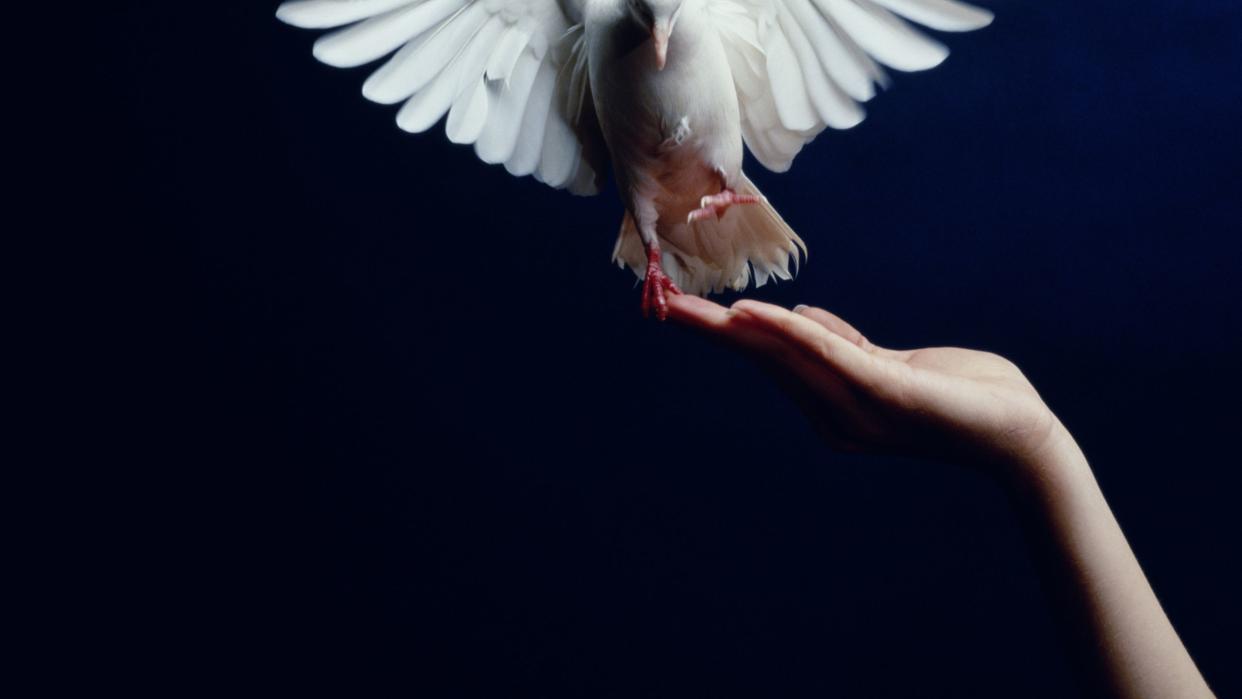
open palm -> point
(943, 402)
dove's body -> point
(675, 137)
(674, 134)
(673, 88)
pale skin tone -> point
(947, 403)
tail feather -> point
(751, 242)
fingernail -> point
(800, 308)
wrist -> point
(1052, 466)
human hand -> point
(960, 404)
(939, 402)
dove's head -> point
(658, 17)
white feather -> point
(884, 36)
(406, 72)
(944, 15)
(508, 103)
(829, 48)
(441, 47)
(325, 14)
(844, 68)
(376, 37)
(505, 57)
(477, 60)
(530, 145)
(468, 115)
(560, 151)
(834, 106)
(793, 105)
(469, 112)
(392, 82)
(424, 109)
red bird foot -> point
(655, 284)
(715, 205)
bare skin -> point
(948, 403)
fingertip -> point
(758, 309)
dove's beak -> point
(659, 38)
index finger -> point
(717, 320)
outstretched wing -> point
(802, 65)
(509, 74)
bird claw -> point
(715, 205)
(655, 284)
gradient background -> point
(403, 427)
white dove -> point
(670, 89)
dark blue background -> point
(405, 426)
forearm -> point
(1136, 650)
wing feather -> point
(427, 106)
(883, 35)
(835, 108)
(378, 36)
(944, 15)
(525, 157)
(399, 78)
(500, 66)
(325, 14)
(844, 67)
(801, 65)
(432, 55)
(468, 115)
(500, 136)
(793, 105)
(560, 151)
(488, 64)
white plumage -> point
(669, 89)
